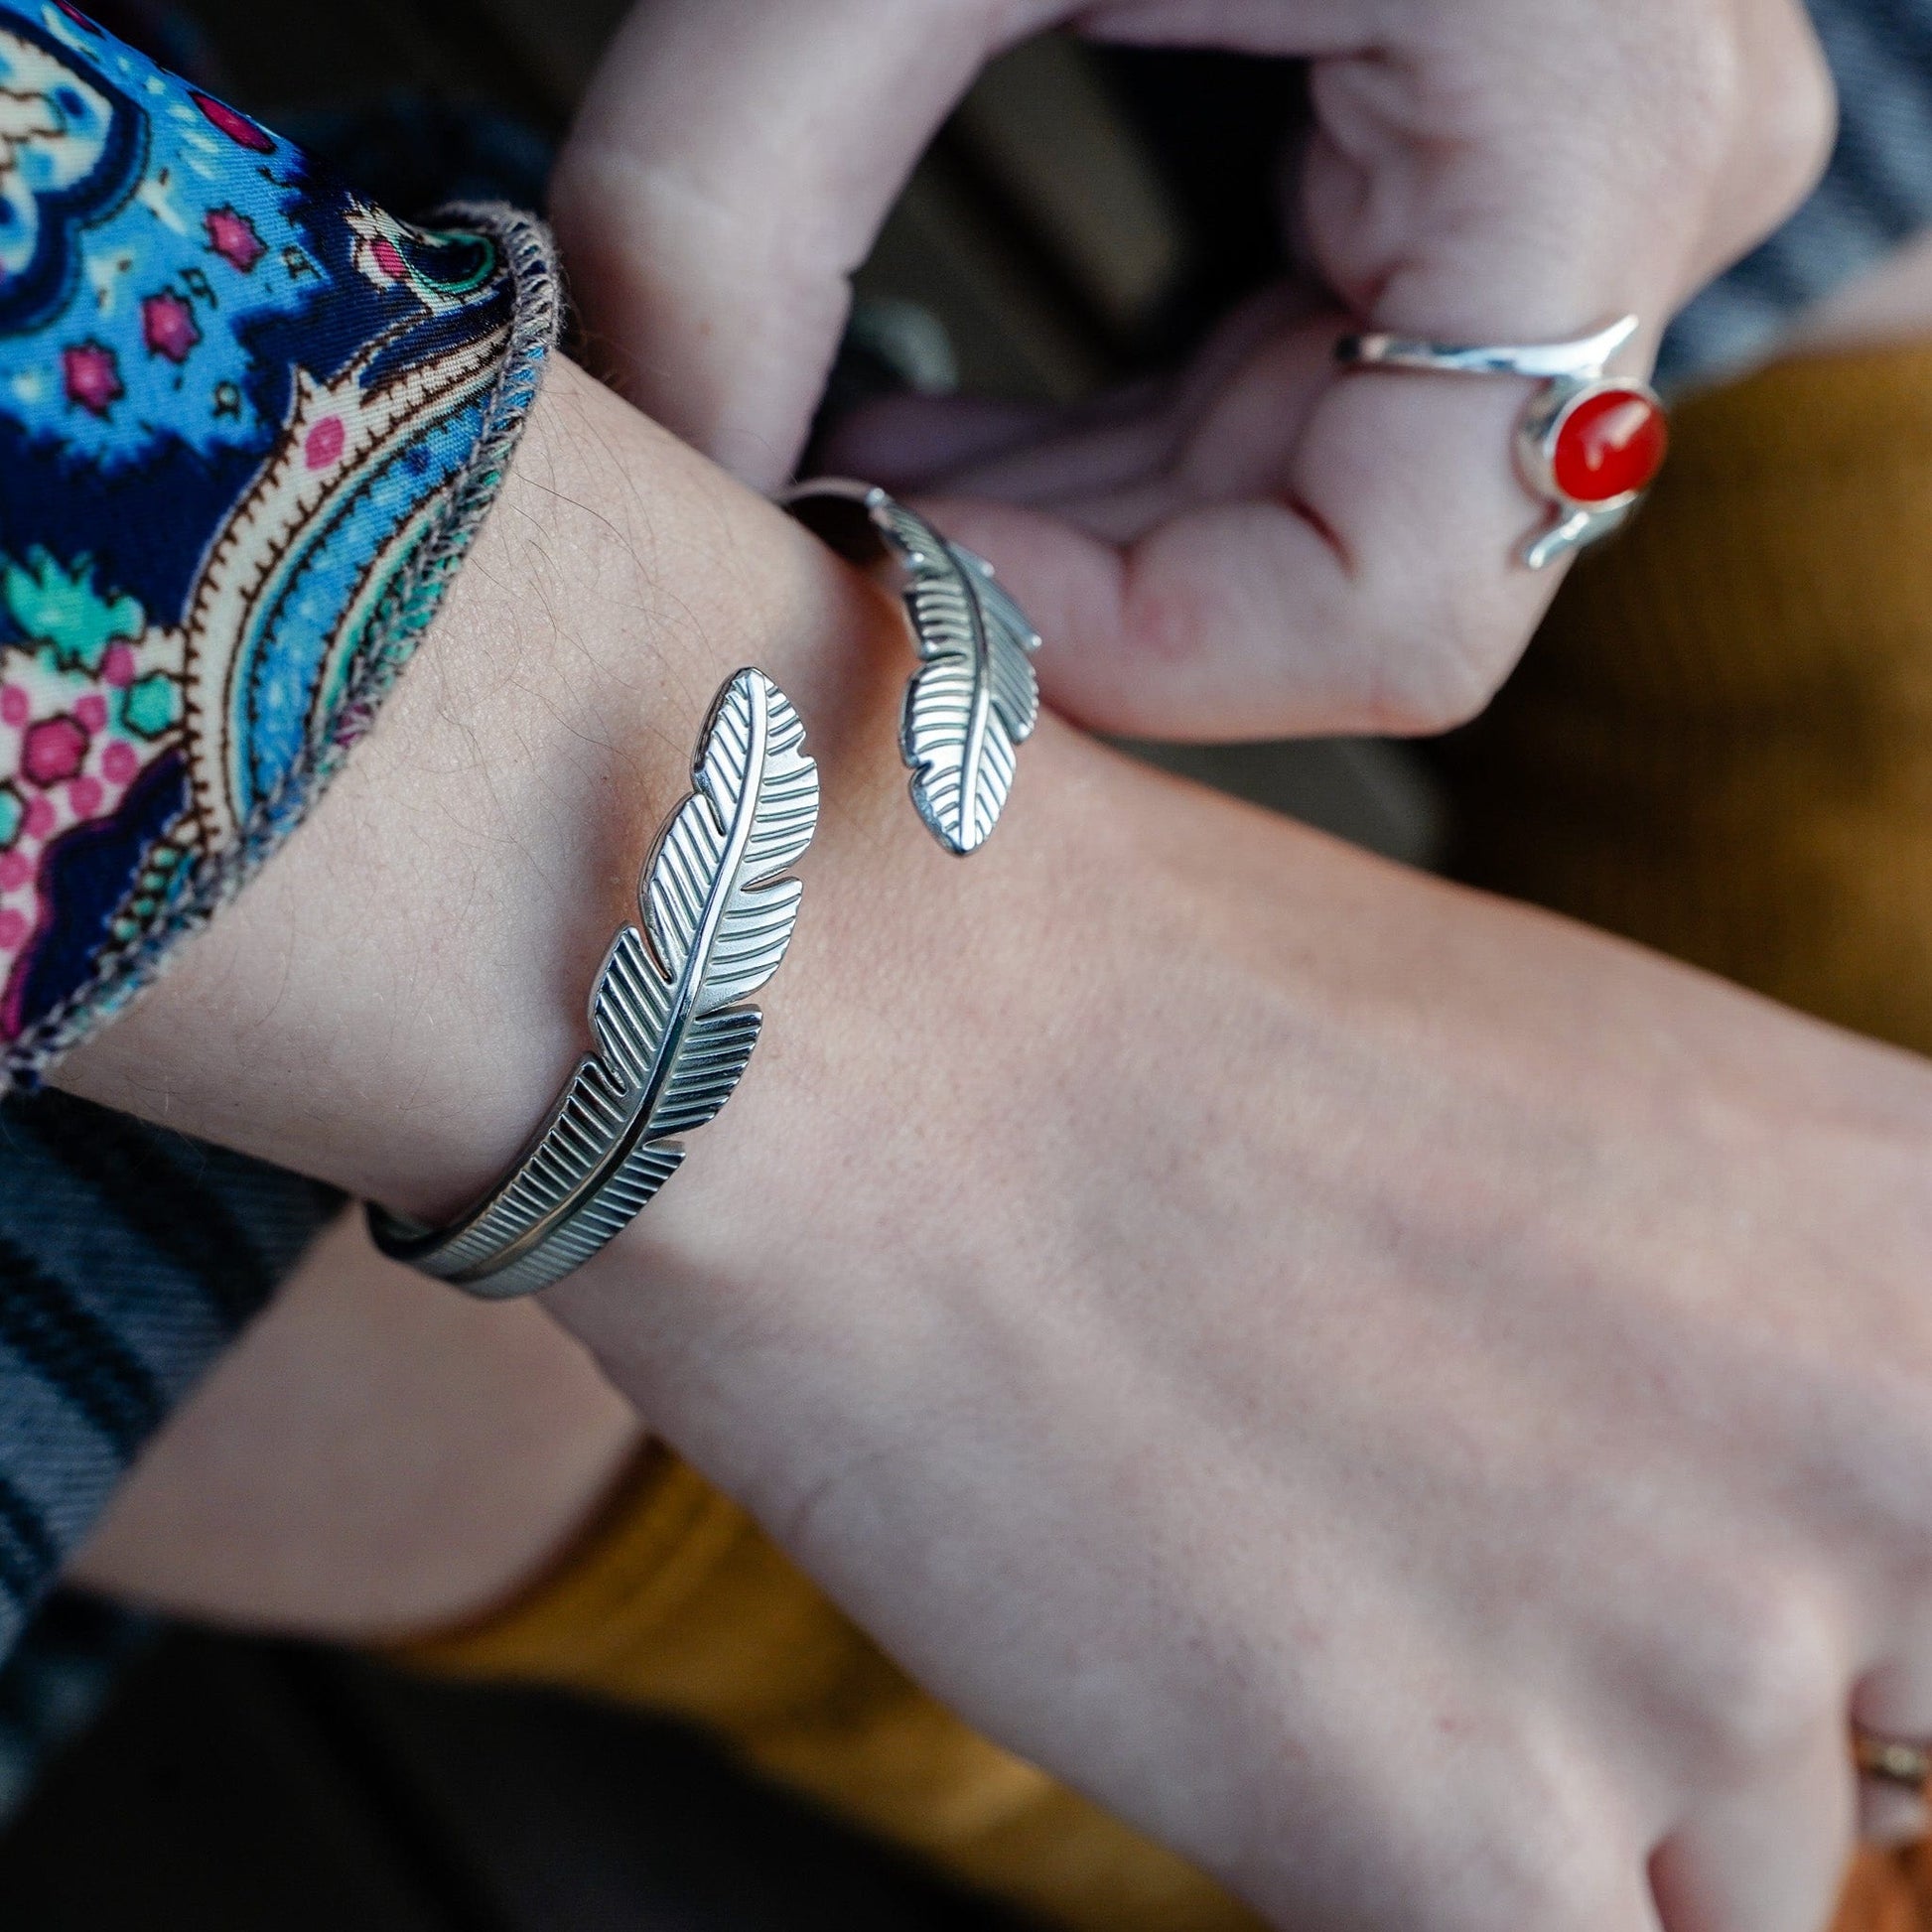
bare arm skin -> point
(1421, 1407)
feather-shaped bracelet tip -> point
(974, 700)
(672, 1040)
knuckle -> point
(1541, 1866)
(1763, 107)
(1420, 689)
(1704, 99)
(1794, 117)
(1743, 104)
(1765, 1669)
(1768, 181)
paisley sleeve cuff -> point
(249, 424)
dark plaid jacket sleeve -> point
(129, 1257)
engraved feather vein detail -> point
(672, 1040)
(976, 699)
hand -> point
(1421, 1407)
(1260, 546)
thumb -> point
(729, 170)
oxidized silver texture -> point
(671, 1038)
(1568, 373)
(975, 700)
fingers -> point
(1226, 622)
(729, 169)
(902, 441)
(1766, 1855)
(1888, 1814)
(1894, 1703)
(731, 166)
(1123, 441)
(1472, 178)
(1297, 555)
(1498, 173)
(1302, 551)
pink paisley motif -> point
(53, 749)
(324, 444)
(233, 123)
(92, 374)
(168, 327)
(233, 236)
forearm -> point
(393, 1003)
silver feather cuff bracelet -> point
(974, 699)
(672, 1037)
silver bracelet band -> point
(672, 1039)
(974, 699)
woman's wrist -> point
(393, 1004)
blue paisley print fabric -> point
(248, 422)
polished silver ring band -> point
(1587, 355)
(1589, 443)
(674, 1038)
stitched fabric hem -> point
(126, 970)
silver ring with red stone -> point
(1589, 443)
